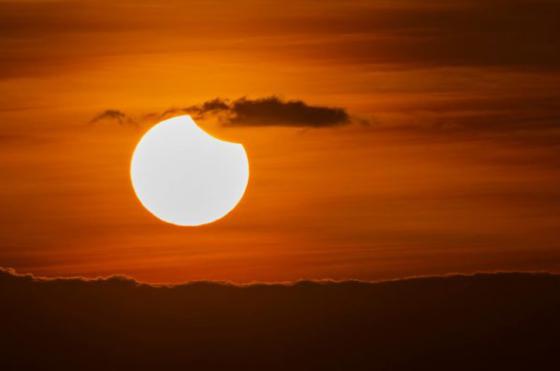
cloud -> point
(267, 111)
(272, 111)
(440, 323)
(213, 106)
(113, 115)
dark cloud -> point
(271, 111)
(501, 321)
(113, 115)
(214, 106)
(274, 111)
(268, 111)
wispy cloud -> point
(115, 116)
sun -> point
(184, 176)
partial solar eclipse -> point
(185, 176)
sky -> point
(386, 139)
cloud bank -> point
(485, 321)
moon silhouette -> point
(185, 176)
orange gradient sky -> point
(450, 162)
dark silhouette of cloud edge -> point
(497, 321)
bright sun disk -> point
(185, 176)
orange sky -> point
(456, 170)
